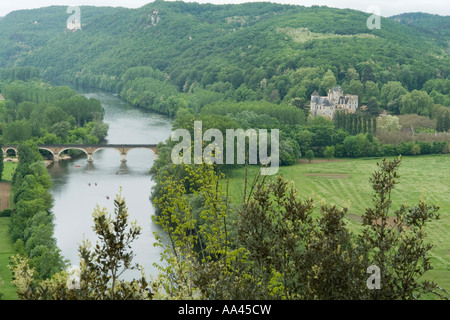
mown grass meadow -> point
(345, 182)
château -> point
(335, 101)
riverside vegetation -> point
(270, 247)
(244, 62)
(34, 112)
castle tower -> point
(314, 101)
(334, 94)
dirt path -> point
(319, 160)
(328, 175)
(5, 188)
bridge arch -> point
(52, 152)
(103, 148)
(6, 149)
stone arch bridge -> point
(88, 149)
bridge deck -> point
(89, 149)
(89, 146)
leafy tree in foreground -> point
(295, 256)
(281, 251)
(103, 267)
(397, 243)
(201, 261)
(273, 247)
(98, 277)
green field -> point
(6, 250)
(6, 245)
(345, 182)
(8, 170)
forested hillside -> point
(431, 25)
(189, 60)
(240, 66)
(243, 52)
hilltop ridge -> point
(252, 47)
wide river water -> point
(75, 199)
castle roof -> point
(315, 93)
(344, 99)
(325, 102)
(336, 89)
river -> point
(75, 199)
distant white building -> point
(335, 101)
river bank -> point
(80, 186)
(62, 157)
(6, 251)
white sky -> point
(387, 7)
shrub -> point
(425, 147)
(438, 147)
(404, 148)
(415, 150)
(6, 213)
(389, 150)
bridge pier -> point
(123, 157)
(90, 158)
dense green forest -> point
(175, 57)
(436, 26)
(32, 220)
(251, 51)
(35, 112)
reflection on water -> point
(79, 186)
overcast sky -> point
(387, 7)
